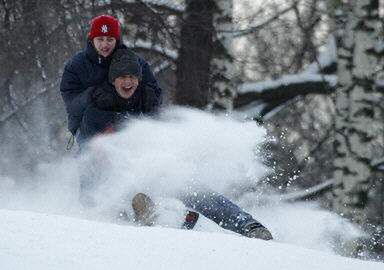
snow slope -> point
(40, 241)
(183, 149)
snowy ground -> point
(40, 241)
(183, 149)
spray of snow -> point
(307, 225)
(183, 150)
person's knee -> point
(94, 114)
(95, 121)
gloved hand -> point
(101, 98)
(106, 98)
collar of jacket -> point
(94, 57)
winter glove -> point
(106, 98)
(102, 99)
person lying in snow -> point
(120, 97)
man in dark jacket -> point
(89, 68)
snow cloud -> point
(183, 151)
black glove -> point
(106, 98)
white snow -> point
(250, 110)
(171, 4)
(184, 148)
(170, 53)
(176, 5)
(40, 241)
(162, 66)
(300, 194)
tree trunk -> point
(359, 117)
(193, 87)
(223, 88)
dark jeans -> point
(219, 209)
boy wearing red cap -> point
(104, 33)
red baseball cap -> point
(104, 25)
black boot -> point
(256, 230)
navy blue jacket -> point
(87, 69)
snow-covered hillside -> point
(183, 149)
(39, 241)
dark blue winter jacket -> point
(87, 69)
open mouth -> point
(127, 89)
(105, 51)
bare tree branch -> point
(243, 32)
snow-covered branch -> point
(286, 88)
(286, 81)
(148, 45)
(168, 4)
(307, 194)
(155, 5)
(164, 65)
(316, 78)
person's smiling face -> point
(126, 85)
(104, 45)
